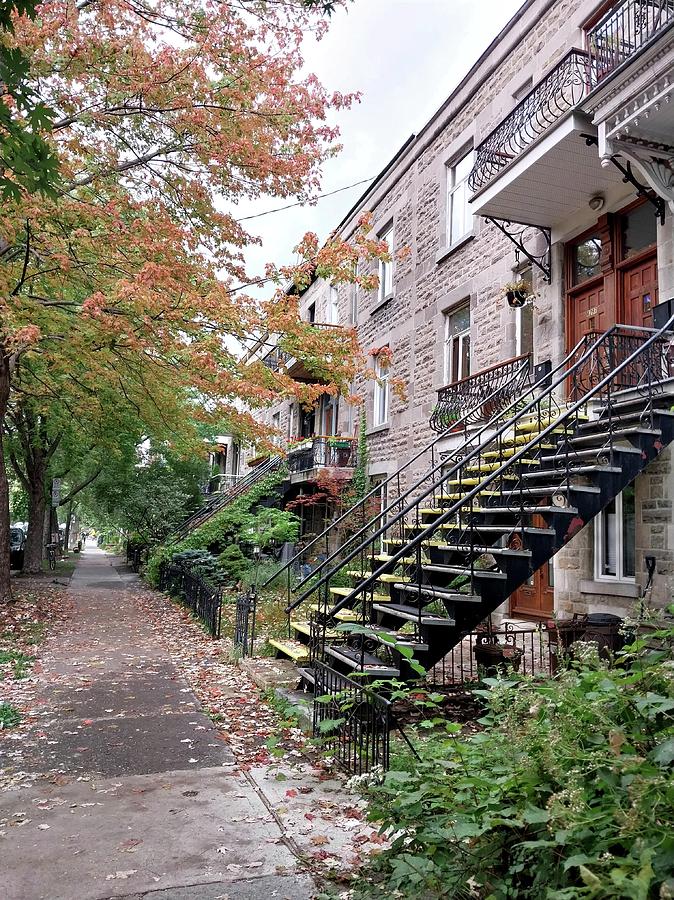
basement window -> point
(615, 539)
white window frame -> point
(333, 306)
(458, 194)
(354, 304)
(386, 268)
(519, 311)
(599, 560)
(276, 424)
(380, 412)
(461, 339)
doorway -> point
(536, 598)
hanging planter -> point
(517, 293)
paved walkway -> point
(148, 802)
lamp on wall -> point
(596, 202)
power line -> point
(304, 202)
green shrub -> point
(233, 564)
(567, 793)
(9, 716)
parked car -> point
(17, 545)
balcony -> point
(282, 361)
(477, 397)
(536, 167)
(322, 451)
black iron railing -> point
(136, 555)
(202, 598)
(619, 347)
(479, 396)
(625, 30)
(323, 452)
(220, 500)
(553, 97)
(244, 626)
(352, 720)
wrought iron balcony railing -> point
(561, 89)
(481, 395)
(323, 451)
(624, 31)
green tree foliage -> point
(568, 792)
(26, 160)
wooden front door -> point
(536, 598)
(639, 291)
(588, 311)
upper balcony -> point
(319, 452)
(537, 166)
(279, 360)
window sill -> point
(613, 588)
(380, 304)
(377, 428)
(445, 252)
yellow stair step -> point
(293, 649)
(305, 628)
(488, 468)
(507, 452)
(386, 557)
(342, 615)
(344, 592)
(381, 577)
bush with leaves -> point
(567, 793)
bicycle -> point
(51, 555)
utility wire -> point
(304, 202)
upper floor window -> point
(381, 392)
(386, 268)
(311, 312)
(354, 304)
(587, 259)
(333, 311)
(459, 214)
(457, 345)
(276, 425)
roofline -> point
(439, 113)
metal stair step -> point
(406, 640)
(411, 614)
(307, 674)
(625, 416)
(495, 551)
(509, 451)
(575, 470)
(305, 628)
(535, 510)
(465, 570)
(437, 593)
(472, 481)
(342, 615)
(366, 662)
(386, 557)
(545, 490)
(345, 591)
(488, 468)
(604, 436)
(590, 453)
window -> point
(459, 215)
(386, 268)
(614, 539)
(311, 312)
(354, 304)
(333, 311)
(381, 393)
(276, 424)
(457, 345)
(639, 230)
(587, 259)
(524, 318)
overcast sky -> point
(405, 56)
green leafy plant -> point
(9, 716)
(567, 793)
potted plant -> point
(517, 293)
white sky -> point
(405, 56)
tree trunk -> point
(37, 505)
(69, 519)
(5, 584)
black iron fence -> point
(202, 598)
(481, 395)
(625, 29)
(244, 625)
(353, 721)
(526, 649)
(136, 555)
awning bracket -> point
(630, 178)
(514, 231)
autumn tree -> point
(132, 279)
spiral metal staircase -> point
(448, 550)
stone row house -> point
(551, 164)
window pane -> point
(463, 167)
(458, 213)
(629, 532)
(459, 321)
(586, 256)
(639, 230)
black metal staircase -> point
(219, 501)
(449, 550)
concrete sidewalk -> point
(140, 796)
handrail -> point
(483, 372)
(416, 541)
(552, 386)
(361, 503)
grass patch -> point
(9, 716)
(18, 660)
